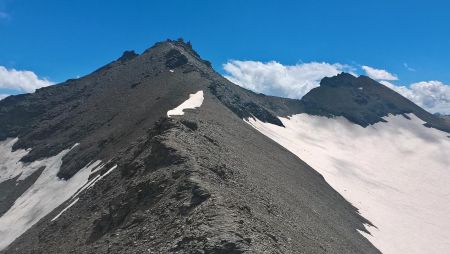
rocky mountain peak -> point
(127, 55)
(342, 79)
(345, 79)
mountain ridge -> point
(211, 181)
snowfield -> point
(10, 167)
(195, 100)
(45, 195)
(396, 172)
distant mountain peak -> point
(362, 100)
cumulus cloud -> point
(273, 78)
(433, 96)
(379, 74)
(21, 81)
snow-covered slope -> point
(46, 194)
(396, 172)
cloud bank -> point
(433, 96)
(378, 74)
(294, 81)
(21, 81)
(273, 78)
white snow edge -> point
(195, 100)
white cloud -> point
(433, 96)
(379, 74)
(273, 78)
(3, 96)
(21, 81)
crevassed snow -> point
(195, 100)
(397, 173)
(47, 193)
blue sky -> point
(58, 40)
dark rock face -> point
(241, 104)
(204, 182)
(446, 118)
(175, 59)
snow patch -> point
(195, 100)
(396, 173)
(47, 193)
(11, 167)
